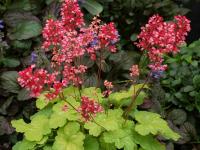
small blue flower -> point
(1, 24)
(95, 42)
(33, 57)
(157, 74)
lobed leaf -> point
(152, 123)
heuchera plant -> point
(72, 117)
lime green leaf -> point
(47, 111)
(71, 91)
(35, 130)
(93, 128)
(69, 138)
(59, 117)
(91, 143)
(148, 142)
(110, 121)
(24, 145)
(122, 138)
(20, 125)
(43, 140)
(135, 88)
(47, 147)
(42, 101)
(149, 122)
(93, 7)
(93, 93)
(124, 97)
(118, 96)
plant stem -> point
(96, 122)
(99, 70)
(125, 81)
(61, 95)
(129, 108)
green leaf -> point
(42, 101)
(10, 62)
(133, 37)
(23, 95)
(69, 138)
(21, 4)
(188, 88)
(71, 91)
(47, 147)
(110, 121)
(93, 128)
(26, 30)
(93, 7)
(5, 127)
(196, 80)
(177, 116)
(26, 44)
(35, 130)
(14, 18)
(149, 122)
(124, 97)
(47, 111)
(48, 1)
(91, 143)
(5, 105)
(9, 81)
(93, 93)
(122, 138)
(59, 117)
(24, 145)
(148, 142)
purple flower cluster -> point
(1, 24)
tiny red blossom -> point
(108, 84)
(89, 108)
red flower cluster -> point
(52, 33)
(35, 80)
(72, 17)
(57, 87)
(72, 74)
(89, 108)
(134, 71)
(109, 36)
(68, 39)
(159, 37)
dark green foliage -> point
(182, 79)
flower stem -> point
(129, 108)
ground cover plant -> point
(74, 116)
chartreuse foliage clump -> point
(54, 128)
